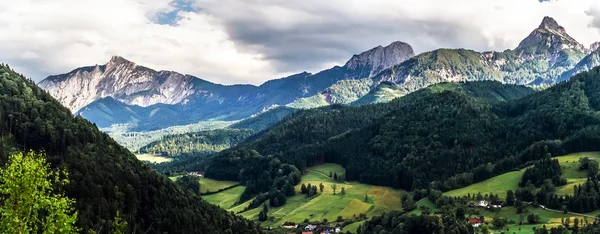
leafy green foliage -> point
(265, 176)
(106, 179)
(190, 183)
(543, 170)
(29, 202)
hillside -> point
(264, 120)
(105, 177)
(197, 144)
(449, 140)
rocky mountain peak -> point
(118, 60)
(381, 58)
(550, 38)
(594, 46)
(549, 23)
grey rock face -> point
(594, 46)
(381, 58)
(121, 79)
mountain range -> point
(121, 91)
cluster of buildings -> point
(311, 228)
(486, 204)
(196, 173)
(476, 222)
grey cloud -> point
(325, 36)
(594, 12)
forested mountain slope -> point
(196, 144)
(438, 138)
(105, 177)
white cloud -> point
(250, 41)
(41, 38)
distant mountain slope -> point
(264, 120)
(541, 58)
(105, 177)
(193, 99)
(547, 55)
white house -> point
(483, 203)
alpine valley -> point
(449, 141)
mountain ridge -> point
(548, 55)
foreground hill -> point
(443, 139)
(105, 177)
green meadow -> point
(210, 185)
(325, 205)
(500, 184)
(496, 185)
(380, 199)
(153, 158)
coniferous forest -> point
(449, 140)
(106, 180)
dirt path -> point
(325, 175)
(560, 211)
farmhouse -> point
(497, 204)
(475, 222)
(310, 228)
(483, 203)
(290, 225)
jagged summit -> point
(550, 24)
(550, 37)
(594, 46)
(381, 58)
(116, 59)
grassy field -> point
(499, 184)
(496, 185)
(323, 206)
(208, 185)
(569, 164)
(227, 198)
(426, 203)
(329, 167)
(152, 158)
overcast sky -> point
(251, 41)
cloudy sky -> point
(251, 41)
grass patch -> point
(227, 198)
(153, 158)
(207, 185)
(353, 227)
(496, 185)
(330, 167)
(426, 203)
(569, 165)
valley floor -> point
(325, 205)
(380, 199)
